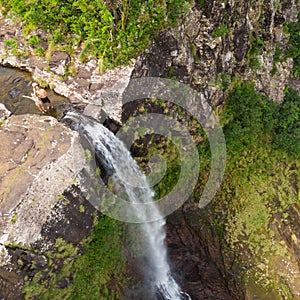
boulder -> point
(58, 62)
(37, 165)
(4, 112)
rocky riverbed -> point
(16, 84)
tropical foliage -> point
(253, 118)
(260, 187)
(113, 31)
(294, 44)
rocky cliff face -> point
(197, 256)
(37, 168)
(36, 157)
(216, 41)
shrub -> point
(34, 40)
(261, 182)
(39, 51)
(287, 133)
(251, 116)
(117, 31)
(220, 31)
(99, 272)
(293, 50)
(10, 44)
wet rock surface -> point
(10, 285)
(15, 84)
(4, 112)
(76, 218)
(196, 256)
(82, 83)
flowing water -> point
(116, 157)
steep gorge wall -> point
(217, 43)
(214, 42)
(225, 38)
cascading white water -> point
(115, 156)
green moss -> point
(98, 273)
(34, 41)
(39, 51)
(100, 270)
(14, 218)
(10, 44)
(38, 288)
(88, 155)
(64, 200)
(64, 249)
(254, 63)
(170, 154)
(260, 185)
(1, 123)
(256, 48)
(81, 208)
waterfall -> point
(125, 171)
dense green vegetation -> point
(167, 151)
(99, 273)
(101, 270)
(261, 184)
(113, 31)
(258, 44)
(220, 31)
(294, 45)
(251, 119)
(256, 48)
